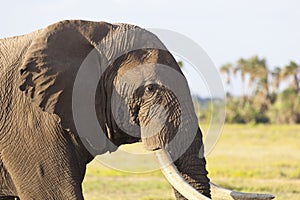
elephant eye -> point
(150, 88)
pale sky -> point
(225, 29)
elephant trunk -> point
(192, 167)
(171, 124)
(188, 152)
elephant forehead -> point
(140, 74)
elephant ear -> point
(49, 69)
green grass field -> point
(247, 158)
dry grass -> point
(246, 158)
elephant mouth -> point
(178, 182)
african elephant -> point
(42, 153)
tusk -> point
(225, 194)
(179, 183)
(175, 179)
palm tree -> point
(263, 74)
(241, 67)
(258, 73)
(276, 79)
(226, 69)
(253, 69)
(292, 70)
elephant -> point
(43, 150)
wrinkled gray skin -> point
(41, 153)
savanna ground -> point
(264, 158)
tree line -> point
(268, 96)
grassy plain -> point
(264, 158)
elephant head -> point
(131, 84)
